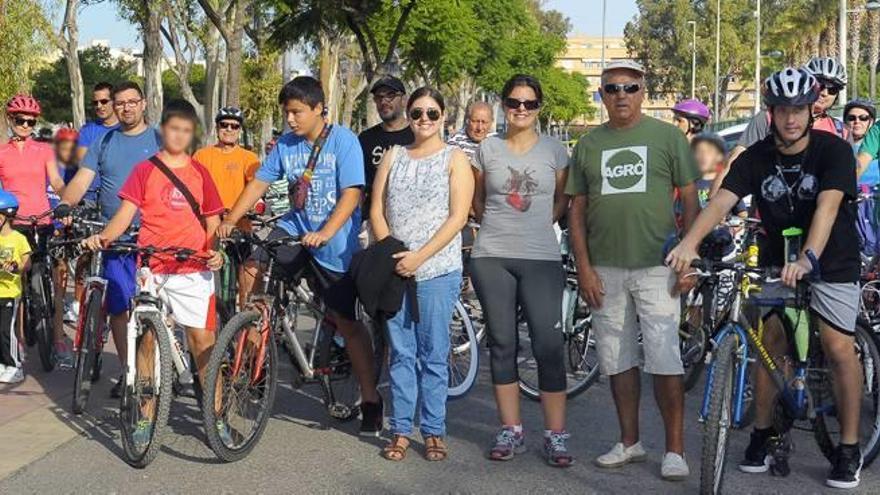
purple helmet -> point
(692, 109)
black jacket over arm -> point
(379, 288)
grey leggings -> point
(503, 284)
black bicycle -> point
(38, 295)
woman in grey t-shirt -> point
(516, 262)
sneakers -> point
(63, 355)
(620, 455)
(757, 457)
(507, 444)
(372, 418)
(556, 451)
(11, 374)
(674, 467)
(845, 467)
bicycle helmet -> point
(711, 138)
(22, 103)
(230, 113)
(66, 134)
(827, 69)
(695, 112)
(8, 204)
(864, 103)
(791, 87)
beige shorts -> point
(638, 301)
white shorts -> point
(638, 300)
(190, 298)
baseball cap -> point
(624, 64)
(389, 82)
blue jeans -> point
(420, 356)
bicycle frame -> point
(94, 282)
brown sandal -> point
(435, 449)
(396, 448)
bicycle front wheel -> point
(87, 355)
(720, 416)
(239, 387)
(464, 353)
(144, 407)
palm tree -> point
(873, 48)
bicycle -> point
(806, 396)
(38, 295)
(244, 363)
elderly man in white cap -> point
(622, 177)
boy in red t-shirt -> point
(167, 220)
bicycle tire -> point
(824, 428)
(228, 284)
(462, 342)
(719, 417)
(225, 348)
(41, 315)
(148, 322)
(694, 343)
(86, 357)
(337, 379)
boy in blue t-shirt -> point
(328, 223)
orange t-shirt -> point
(231, 170)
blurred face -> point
(22, 125)
(177, 135)
(425, 118)
(791, 122)
(858, 121)
(708, 157)
(479, 123)
(129, 107)
(102, 103)
(389, 103)
(302, 118)
(64, 151)
(228, 131)
(826, 98)
(622, 94)
(521, 107)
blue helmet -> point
(8, 204)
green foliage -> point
(171, 84)
(23, 29)
(567, 96)
(52, 83)
(261, 80)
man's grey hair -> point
(478, 104)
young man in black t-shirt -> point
(801, 178)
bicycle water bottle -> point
(185, 377)
(792, 237)
(752, 257)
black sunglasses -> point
(229, 125)
(863, 118)
(23, 122)
(629, 88)
(101, 103)
(513, 104)
(832, 89)
(432, 113)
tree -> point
(23, 34)
(855, 45)
(67, 40)
(50, 83)
(566, 97)
(232, 28)
(873, 49)
(180, 31)
(148, 16)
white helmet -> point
(791, 87)
(828, 69)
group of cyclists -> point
(638, 195)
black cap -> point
(389, 82)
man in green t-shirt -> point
(622, 176)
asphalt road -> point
(302, 451)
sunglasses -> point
(383, 97)
(432, 113)
(232, 126)
(513, 104)
(100, 103)
(23, 122)
(832, 89)
(863, 118)
(629, 88)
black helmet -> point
(791, 87)
(230, 113)
(863, 103)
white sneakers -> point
(11, 374)
(674, 467)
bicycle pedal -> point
(779, 467)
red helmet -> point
(66, 134)
(23, 103)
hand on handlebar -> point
(224, 231)
(215, 262)
(680, 258)
(315, 239)
(95, 242)
(62, 214)
(792, 273)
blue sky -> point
(100, 21)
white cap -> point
(624, 64)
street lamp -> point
(843, 34)
(601, 104)
(694, 60)
(717, 108)
(758, 56)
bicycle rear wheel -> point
(244, 369)
(40, 314)
(144, 407)
(86, 357)
(464, 353)
(719, 419)
(826, 428)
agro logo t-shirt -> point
(786, 188)
(628, 176)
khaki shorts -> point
(638, 301)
